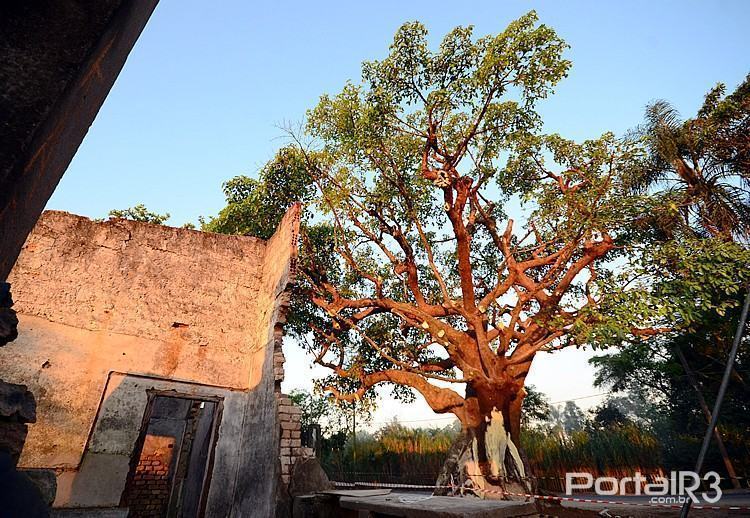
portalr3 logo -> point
(677, 488)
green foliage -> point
(607, 415)
(626, 448)
(255, 206)
(334, 417)
(315, 409)
(675, 285)
(698, 277)
(398, 454)
(394, 453)
(652, 373)
(391, 254)
(469, 105)
(139, 213)
(570, 418)
(697, 176)
(701, 165)
(536, 408)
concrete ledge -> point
(418, 505)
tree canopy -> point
(700, 166)
(414, 274)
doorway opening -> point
(171, 465)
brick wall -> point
(291, 448)
(149, 493)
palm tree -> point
(701, 166)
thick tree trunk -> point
(486, 459)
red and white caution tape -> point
(543, 497)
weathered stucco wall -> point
(189, 290)
(181, 309)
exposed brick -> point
(290, 425)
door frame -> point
(152, 394)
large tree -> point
(413, 274)
(432, 286)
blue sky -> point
(208, 84)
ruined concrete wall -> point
(177, 307)
(128, 297)
(191, 290)
(258, 456)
